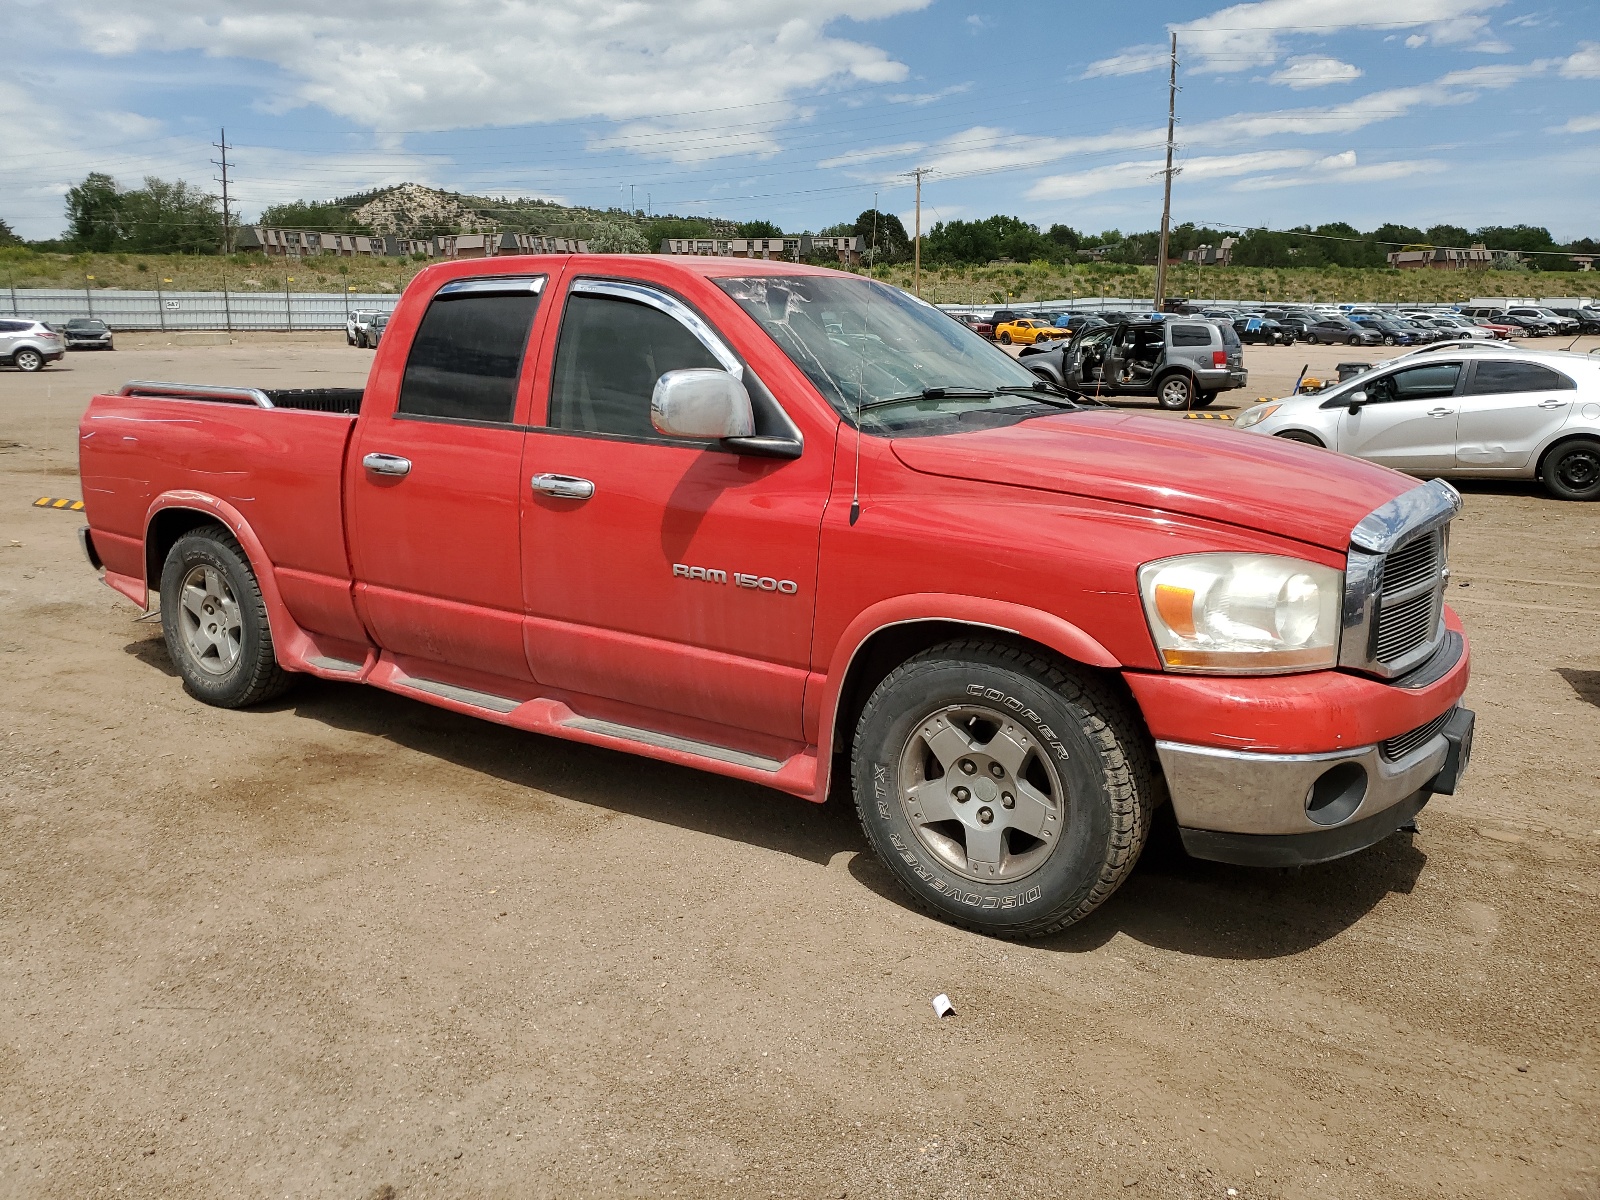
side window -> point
(12, 326)
(1416, 383)
(1493, 378)
(1191, 335)
(609, 357)
(467, 354)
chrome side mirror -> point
(701, 403)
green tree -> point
(326, 216)
(657, 231)
(170, 218)
(616, 237)
(880, 229)
(757, 229)
(8, 236)
(94, 213)
(1448, 235)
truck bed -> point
(272, 460)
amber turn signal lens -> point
(1176, 607)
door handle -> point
(1552, 403)
(387, 464)
(567, 487)
(1441, 412)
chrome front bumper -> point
(1288, 808)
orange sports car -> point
(1025, 331)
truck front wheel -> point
(1006, 795)
(215, 622)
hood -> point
(1244, 479)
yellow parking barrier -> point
(53, 502)
(1208, 416)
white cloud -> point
(855, 158)
(1315, 70)
(450, 64)
(48, 149)
(1124, 175)
(920, 98)
(1247, 36)
(1589, 124)
(1342, 168)
(1135, 60)
(1584, 64)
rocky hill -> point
(412, 210)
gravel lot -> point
(352, 946)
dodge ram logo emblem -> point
(759, 583)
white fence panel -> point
(193, 310)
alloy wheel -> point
(212, 629)
(981, 793)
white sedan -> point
(1455, 411)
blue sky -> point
(1469, 112)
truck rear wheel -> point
(215, 622)
(1006, 795)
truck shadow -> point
(1212, 910)
(1170, 901)
(1586, 684)
(608, 779)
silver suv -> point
(1182, 361)
(29, 345)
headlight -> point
(1235, 614)
(1253, 416)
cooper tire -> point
(1388, 339)
(1005, 339)
(215, 622)
(1296, 435)
(1075, 756)
(1175, 393)
(1571, 471)
(1204, 399)
(1352, 340)
(28, 360)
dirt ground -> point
(349, 945)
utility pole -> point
(1166, 200)
(916, 252)
(227, 210)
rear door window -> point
(1497, 378)
(467, 355)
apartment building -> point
(790, 246)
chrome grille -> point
(1398, 747)
(1405, 626)
(1412, 563)
(1395, 578)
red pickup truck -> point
(800, 528)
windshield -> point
(82, 323)
(863, 344)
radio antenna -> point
(872, 266)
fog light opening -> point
(1337, 793)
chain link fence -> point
(194, 310)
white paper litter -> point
(942, 1006)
